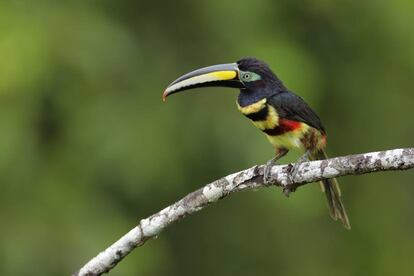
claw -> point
(267, 171)
(268, 167)
(290, 186)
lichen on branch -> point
(249, 179)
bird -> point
(287, 121)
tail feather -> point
(333, 195)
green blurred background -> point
(88, 148)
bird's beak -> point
(223, 75)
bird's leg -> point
(290, 187)
(305, 157)
(267, 170)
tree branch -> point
(252, 178)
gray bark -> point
(252, 178)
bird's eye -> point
(246, 76)
(249, 76)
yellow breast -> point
(290, 140)
(271, 119)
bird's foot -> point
(293, 171)
(268, 171)
(304, 158)
(267, 179)
(290, 186)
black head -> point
(256, 74)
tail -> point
(333, 195)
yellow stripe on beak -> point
(224, 75)
(221, 75)
(209, 77)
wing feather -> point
(292, 107)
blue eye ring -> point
(246, 76)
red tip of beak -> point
(164, 96)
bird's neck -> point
(248, 96)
